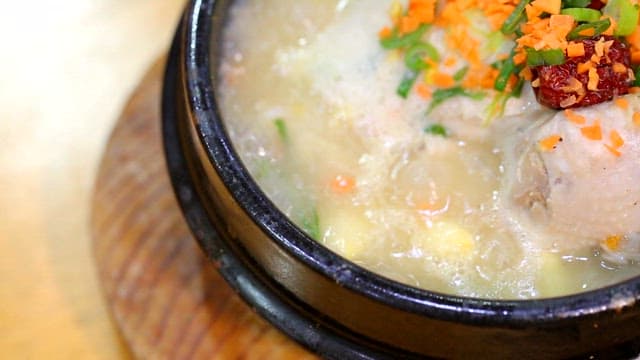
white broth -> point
(309, 97)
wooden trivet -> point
(166, 299)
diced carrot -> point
(423, 15)
(343, 184)
(408, 24)
(526, 73)
(519, 58)
(532, 12)
(384, 33)
(612, 242)
(550, 142)
(593, 132)
(442, 80)
(587, 32)
(636, 118)
(584, 67)
(450, 61)
(549, 6)
(575, 49)
(613, 150)
(622, 103)
(616, 139)
(635, 56)
(619, 68)
(634, 90)
(423, 90)
(561, 24)
(574, 118)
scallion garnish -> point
(582, 14)
(636, 74)
(436, 129)
(441, 95)
(575, 3)
(395, 41)
(416, 53)
(507, 68)
(625, 15)
(598, 27)
(460, 74)
(311, 224)
(544, 57)
(406, 84)
(515, 18)
(281, 127)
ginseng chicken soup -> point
(484, 148)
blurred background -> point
(67, 69)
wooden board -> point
(164, 296)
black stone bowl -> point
(330, 305)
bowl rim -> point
(200, 18)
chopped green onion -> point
(507, 68)
(406, 84)
(460, 74)
(441, 95)
(282, 128)
(395, 41)
(311, 224)
(513, 21)
(598, 27)
(517, 88)
(496, 108)
(544, 57)
(625, 14)
(636, 74)
(575, 3)
(582, 14)
(436, 129)
(414, 59)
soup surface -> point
(448, 185)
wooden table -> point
(68, 68)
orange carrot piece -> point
(613, 242)
(443, 80)
(584, 67)
(593, 132)
(549, 6)
(619, 68)
(408, 24)
(613, 150)
(550, 142)
(587, 32)
(343, 184)
(574, 118)
(616, 140)
(634, 90)
(423, 91)
(622, 103)
(575, 49)
(384, 33)
(526, 73)
(450, 61)
(519, 58)
(636, 118)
